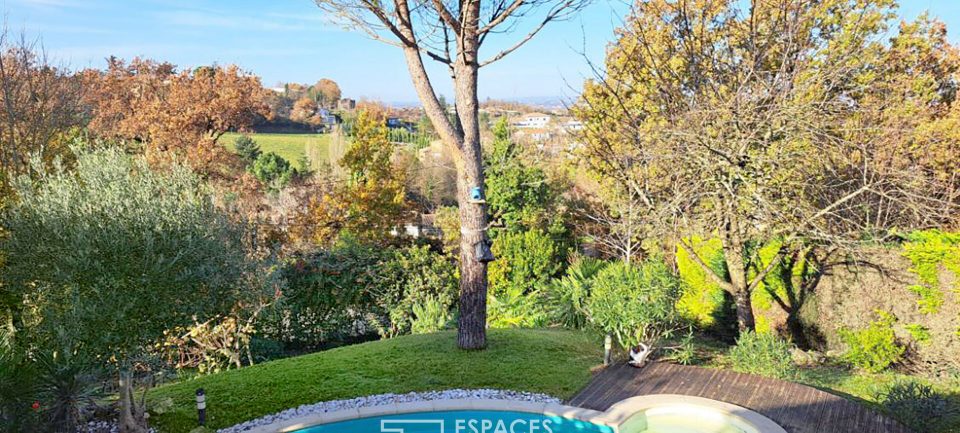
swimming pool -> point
(464, 421)
(645, 414)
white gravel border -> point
(389, 399)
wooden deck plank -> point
(798, 408)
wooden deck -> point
(797, 408)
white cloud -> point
(271, 22)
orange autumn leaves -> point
(151, 104)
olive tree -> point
(107, 256)
(452, 33)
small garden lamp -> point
(201, 407)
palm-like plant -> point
(66, 386)
(568, 295)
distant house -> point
(423, 227)
(571, 125)
(533, 120)
(533, 134)
(398, 123)
(328, 120)
(347, 104)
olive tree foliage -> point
(105, 257)
(452, 33)
(741, 120)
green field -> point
(289, 146)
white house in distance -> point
(572, 125)
(533, 120)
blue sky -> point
(292, 41)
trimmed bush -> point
(635, 303)
(762, 354)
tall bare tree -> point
(452, 32)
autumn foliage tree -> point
(39, 106)
(303, 109)
(326, 93)
(371, 201)
(758, 121)
(150, 103)
(910, 108)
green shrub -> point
(519, 193)
(19, 387)
(247, 149)
(763, 354)
(917, 405)
(635, 303)
(430, 315)
(264, 350)
(919, 333)
(355, 289)
(420, 290)
(330, 295)
(701, 300)
(68, 384)
(566, 297)
(526, 263)
(512, 308)
(685, 353)
(927, 251)
(273, 171)
(706, 304)
(112, 254)
(875, 347)
(115, 252)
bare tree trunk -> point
(472, 332)
(733, 254)
(464, 145)
(745, 319)
(131, 418)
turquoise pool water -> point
(468, 421)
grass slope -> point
(289, 146)
(554, 362)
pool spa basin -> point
(661, 413)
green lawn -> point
(554, 362)
(289, 146)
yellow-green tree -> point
(737, 119)
(371, 201)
